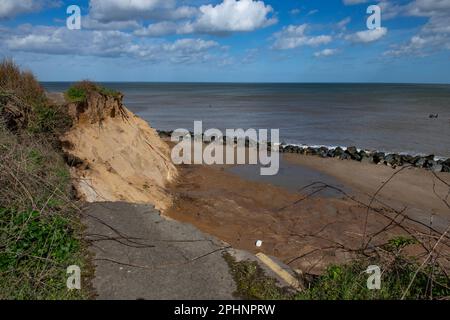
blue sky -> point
(230, 40)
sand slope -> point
(123, 159)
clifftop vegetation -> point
(79, 92)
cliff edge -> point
(115, 155)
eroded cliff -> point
(115, 155)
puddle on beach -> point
(292, 177)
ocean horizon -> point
(390, 117)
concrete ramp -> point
(138, 254)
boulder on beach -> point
(378, 157)
(323, 152)
(446, 165)
(393, 160)
(435, 166)
(353, 153)
(406, 158)
(367, 159)
(311, 151)
(371, 156)
(420, 162)
(338, 152)
(363, 154)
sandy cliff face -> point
(115, 155)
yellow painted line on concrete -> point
(283, 274)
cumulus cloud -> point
(428, 8)
(325, 53)
(233, 15)
(108, 43)
(159, 29)
(226, 17)
(294, 36)
(367, 36)
(119, 10)
(435, 33)
(87, 22)
(12, 8)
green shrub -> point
(349, 282)
(38, 249)
(345, 282)
(75, 94)
(252, 282)
(79, 92)
(49, 119)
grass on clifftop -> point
(79, 92)
(40, 232)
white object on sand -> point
(259, 243)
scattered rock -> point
(311, 151)
(436, 167)
(323, 152)
(363, 154)
(345, 156)
(367, 160)
(393, 160)
(353, 152)
(446, 166)
(407, 158)
(378, 157)
(338, 152)
(420, 163)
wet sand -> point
(291, 176)
(418, 190)
(308, 229)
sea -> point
(385, 117)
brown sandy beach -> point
(307, 229)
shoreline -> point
(428, 162)
(240, 211)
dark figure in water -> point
(434, 116)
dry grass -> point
(22, 83)
(40, 232)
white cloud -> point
(12, 8)
(294, 36)
(325, 53)
(435, 33)
(233, 15)
(311, 12)
(367, 36)
(428, 8)
(119, 10)
(113, 44)
(129, 14)
(158, 29)
(226, 17)
(88, 23)
(343, 23)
